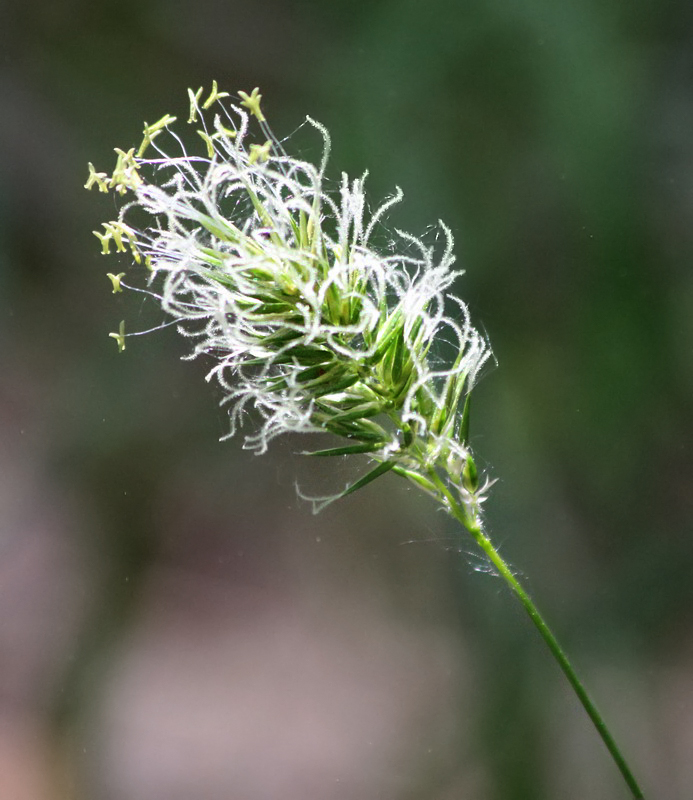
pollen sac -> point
(115, 281)
(125, 175)
(98, 178)
(252, 103)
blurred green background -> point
(175, 623)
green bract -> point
(275, 279)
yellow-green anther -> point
(125, 173)
(116, 230)
(259, 152)
(214, 96)
(120, 336)
(118, 239)
(115, 280)
(152, 131)
(105, 239)
(252, 103)
(164, 122)
(222, 131)
(194, 103)
(208, 140)
(146, 141)
(126, 229)
(98, 178)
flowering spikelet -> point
(275, 279)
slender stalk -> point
(547, 635)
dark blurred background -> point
(174, 622)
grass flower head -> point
(276, 279)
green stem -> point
(546, 634)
